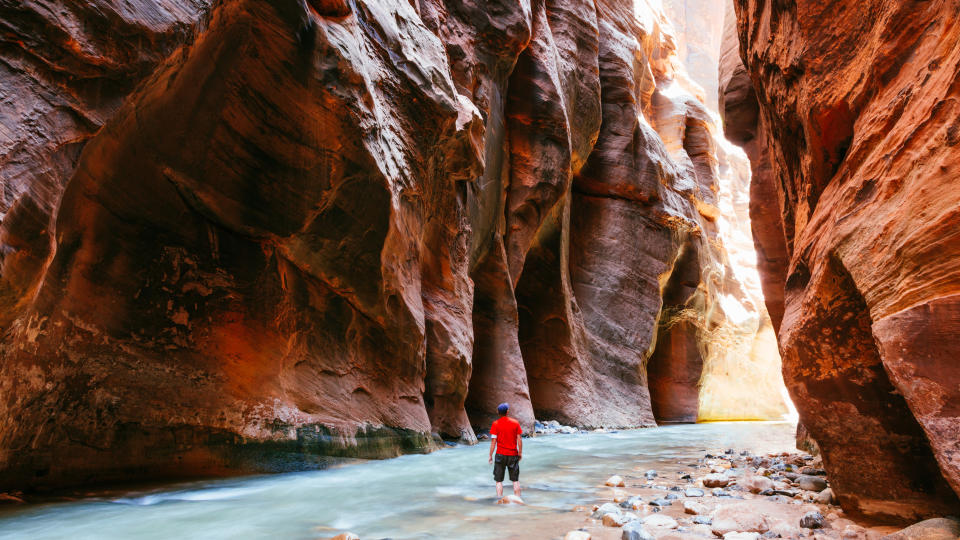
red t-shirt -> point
(505, 430)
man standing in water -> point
(505, 439)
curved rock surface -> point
(854, 133)
(248, 236)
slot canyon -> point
(240, 236)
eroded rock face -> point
(321, 228)
(859, 110)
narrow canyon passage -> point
(245, 237)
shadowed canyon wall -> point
(243, 235)
(850, 112)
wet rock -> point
(931, 529)
(715, 480)
(671, 496)
(577, 535)
(651, 474)
(811, 483)
(661, 502)
(510, 499)
(660, 521)
(693, 492)
(738, 517)
(615, 481)
(635, 531)
(633, 503)
(812, 520)
(694, 507)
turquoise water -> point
(447, 494)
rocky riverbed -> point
(735, 496)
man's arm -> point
(519, 446)
(493, 446)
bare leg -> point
(516, 488)
(499, 490)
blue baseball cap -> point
(502, 408)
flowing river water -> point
(447, 494)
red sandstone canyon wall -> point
(850, 112)
(243, 236)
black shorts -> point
(510, 463)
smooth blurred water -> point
(447, 494)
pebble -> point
(693, 492)
(633, 503)
(577, 535)
(702, 520)
(812, 520)
(651, 474)
(661, 502)
(671, 496)
(615, 481)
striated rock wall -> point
(851, 114)
(245, 236)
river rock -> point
(605, 508)
(826, 497)
(755, 484)
(672, 496)
(742, 517)
(661, 502)
(577, 535)
(811, 483)
(620, 496)
(510, 499)
(615, 519)
(693, 492)
(651, 474)
(812, 520)
(702, 520)
(615, 481)
(931, 529)
(660, 521)
(784, 529)
(694, 507)
(634, 503)
(634, 531)
(715, 480)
